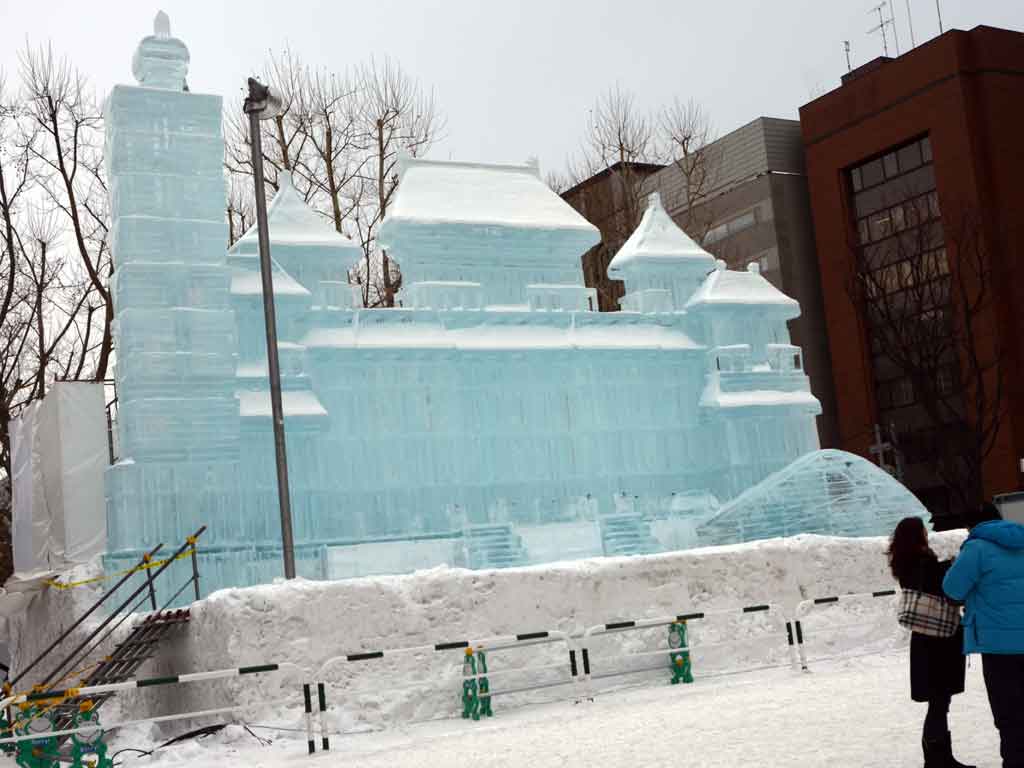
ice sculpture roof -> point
(659, 242)
(292, 222)
(731, 288)
(435, 191)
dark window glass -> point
(871, 173)
(926, 149)
(891, 168)
(910, 157)
(862, 231)
(855, 179)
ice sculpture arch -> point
(827, 492)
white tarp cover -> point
(30, 520)
(58, 460)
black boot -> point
(938, 753)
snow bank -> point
(307, 622)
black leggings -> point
(936, 722)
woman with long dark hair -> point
(937, 665)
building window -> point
(731, 227)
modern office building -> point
(914, 167)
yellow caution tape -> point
(142, 567)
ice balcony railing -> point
(737, 371)
(648, 301)
(455, 295)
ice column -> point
(174, 328)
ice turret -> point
(660, 264)
(742, 307)
(161, 61)
(305, 245)
(495, 233)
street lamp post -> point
(262, 104)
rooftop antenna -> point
(882, 23)
(910, 22)
(895, 31)
(846, 47)
(938, 10)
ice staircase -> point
(627, 533)
(493, 546)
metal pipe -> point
(255, 105)
(114, 614)
(83, 617)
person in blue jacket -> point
(988, 577)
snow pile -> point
(308, 622)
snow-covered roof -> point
(245, 282)
(295, 403)
(658, 242)
(435, 191)
(733, 288)
(292, 222)
(758, 398)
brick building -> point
(906, 151)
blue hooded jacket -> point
(988, 577)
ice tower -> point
(178, 424)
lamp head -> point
(263, 100)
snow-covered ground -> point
(850, 713)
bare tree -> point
(928, 296)
(241, 208)
(284, 139)
(687, 135)
(63, 140)
(328, 119)
(396, 116)
(610, 180)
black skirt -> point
(937, 666)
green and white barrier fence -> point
(679, 652)
(804, 608)
(477, 690)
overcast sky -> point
(515, 79)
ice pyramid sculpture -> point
(827, 492)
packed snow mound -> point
(309, 622)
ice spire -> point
(161, 61)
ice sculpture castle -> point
(494, 418)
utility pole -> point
(910, 23)
(881, 26)
(846, 47)
(261, 104)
